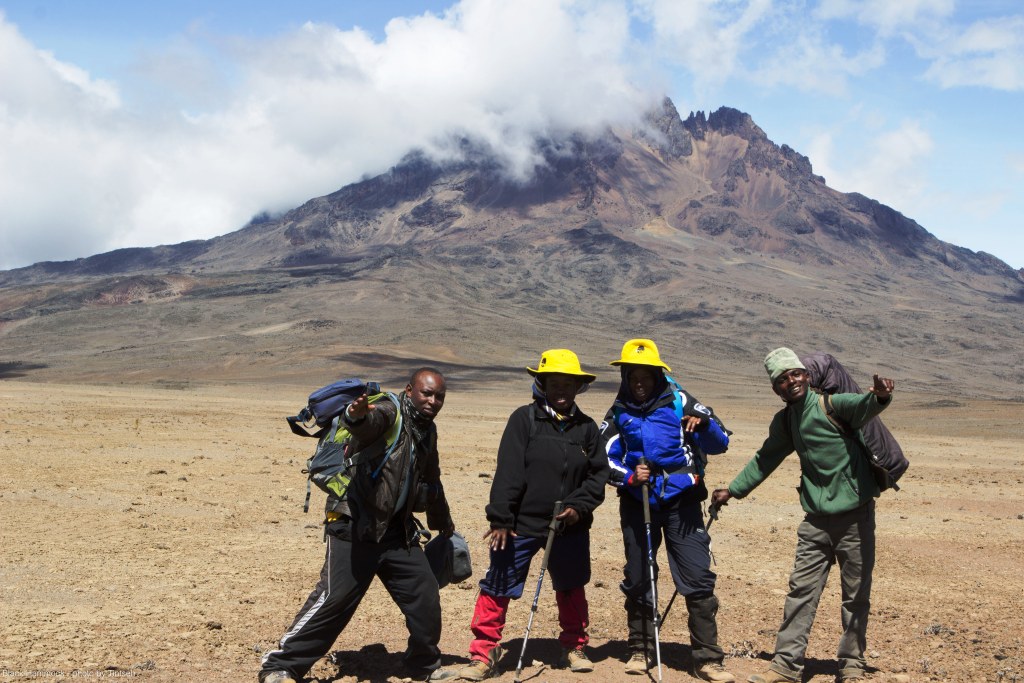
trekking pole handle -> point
(645, 491)
(559, 505)
(642, 462)
(553, 526)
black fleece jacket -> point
(541, 461)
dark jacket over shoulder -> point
(541, 461)
(372, 503)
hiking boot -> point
(771, 676)
(576, 660)
(450, 673)
(712, 671)
(276, 677)
(852, 676)
(479, 670)
(639, 663)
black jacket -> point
(371, 503)
(541, 461)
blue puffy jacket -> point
(654, 431)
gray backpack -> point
(888, 463)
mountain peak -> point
(725, 121)
(673, 140)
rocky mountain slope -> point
(700, 233)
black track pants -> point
(347, 573)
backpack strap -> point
(677, 403)
(825, 401)
(677, 396)
(390, 438)
(665, 474)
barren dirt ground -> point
(157, 534)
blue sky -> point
(135, 124)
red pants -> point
(489, 621)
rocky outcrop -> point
(666, 132)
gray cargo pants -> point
(822, 540)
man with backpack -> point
(837, 492)
(370, 532)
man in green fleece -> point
(837, 491)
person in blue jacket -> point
(658, 434)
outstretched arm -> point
(773, 451)
(857, 409)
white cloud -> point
(1016, 162)
(206, 130)
(60, 185)
(85, 168)
(886, 16)
(708, 37)
(988, 53)
(887, 165)
(811, 64)
(33, 82)
(896, 168)
(767, 44)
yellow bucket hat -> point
(640, 352)
(561, 362)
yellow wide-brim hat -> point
(640, 352)
(561, 362)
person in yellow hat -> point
(657, 436)
(550, 451)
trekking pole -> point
(645, 489)
(540, 582)
(712, 515)
(664, 615)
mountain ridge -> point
(682, 228)
(578, 174)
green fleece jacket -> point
(834, 474)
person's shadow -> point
(673, 655)
(814, 667)
(547, 651)
(373, 663)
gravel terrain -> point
(155, 533)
